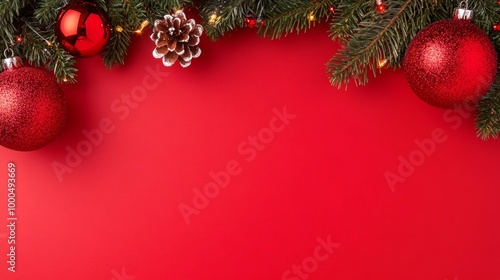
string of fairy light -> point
(213, 19)
(19, 38)
(139, 30)
(251, 21)
(118, 28)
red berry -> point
(381, 8)
(250, 21)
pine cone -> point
(176, 38)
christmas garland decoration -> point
(448, 55)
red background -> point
(116, 215)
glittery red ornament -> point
(32, 107)
(82, 28)
(450, 62)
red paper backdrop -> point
(318, 176)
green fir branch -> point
(288, 16)
(115, 51)
(128, 15)
(280, 17)
(62, 64)
(349, 16)
(34, 47)
(488, 108)
(485, 14)
(230, 15)
(9, 12)
(41, 49)
(378, 37)
(46, 12)
(488, 113)
(157, 9)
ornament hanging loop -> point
(463, 12)
(464, 4)
(8, 51)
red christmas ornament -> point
(250, 21)
(82, 28)
(451, 62)
(32, 107)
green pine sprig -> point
(295, 16)
(367, 37)
(488, 113)
(280, 17)
(370, 37)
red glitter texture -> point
(32, 109)
(450, 62)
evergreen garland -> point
(367, 36)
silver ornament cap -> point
(12, 63)
(461, 13)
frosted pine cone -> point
(176, 38)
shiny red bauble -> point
(450, 62)
(82, 28)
